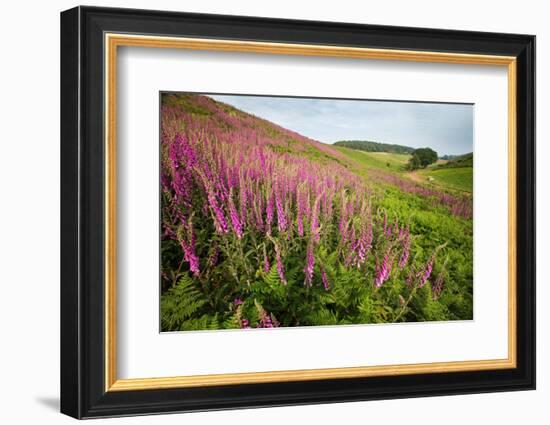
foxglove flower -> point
(234, 216)
(439, 285)
(364, 243)
(310, 263)
(383, 270)
(425, 274)
(324, 279)
(190, 257)
(219, 218)
(213, 258)
(269, 213)
(300, 211)
(315, 220)
(265, 318)
(406, 244)
(281, 217)
(243, 198)
(267, 266)
(344, 221)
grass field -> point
(454, 178)
(393, 162)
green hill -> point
(370, 146)
(455, 174)
(459, 178)
(466, 160)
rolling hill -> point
(466, 160)
(370, 146)
(455, 174)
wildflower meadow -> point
(262, 227)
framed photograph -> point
(261, 212)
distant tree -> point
(370, 146)
(421, 158)
(414, 163)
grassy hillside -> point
(461, 161)
(370, 146)
(454, 178)
(383, 160)
(263, 227)
(395, 161)
(454, 175)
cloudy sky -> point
(446, 128)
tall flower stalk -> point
(383, 270)
(310, 264)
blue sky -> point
(446, 128)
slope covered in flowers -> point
(263, 227)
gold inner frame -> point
(113, 41)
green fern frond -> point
(272, 277)
(179, 304)
(204, 322)
(322, 317)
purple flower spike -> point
(235, 219)
(426, 272)
(190, 257)
(383, 271)
(219, 218)
(310, 263)
(324, 279)
(269, 213)
(281, 217)
(406, 250)
(315, 220)
(301, 211)
(267, 266)
(343, 224)
(439, 285)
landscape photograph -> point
(280, 212)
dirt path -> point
(415, 177)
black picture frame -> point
(83, 392)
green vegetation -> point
(262, 227)
(456, 173)
(454, 178)
(370, 146)
(421, 158)
(466, 160)
(439, 174)
(389, 161)
(395, 161)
